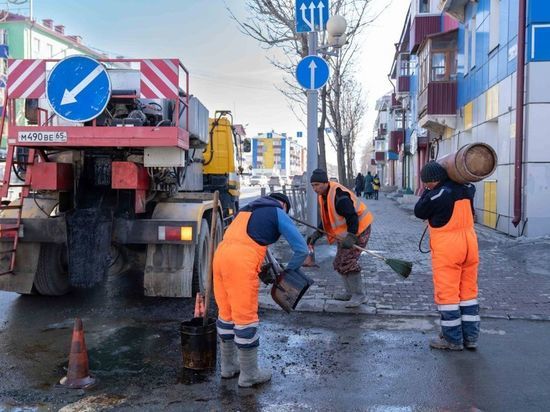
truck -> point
(115, 163)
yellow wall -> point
(269, 158)
(490, 203)
(491, 100)
(469, 115)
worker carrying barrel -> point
(448, 206)
(347, 221)
(237, 263)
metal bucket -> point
(471, 163)
(289, 287)
(198, 344)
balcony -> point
(396, 139)
(454, 8)
(437, 106)
(404, 84)
(394, 102)
(422, 27)
(380, 156)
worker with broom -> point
(347, 221)
(448, 206)
(237, 263)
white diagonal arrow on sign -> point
(310, 24)
(69, 96)
(312, 66)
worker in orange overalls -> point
(448, 206)
(346, 219)
(237, 263)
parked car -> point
(3, 155)
(258, 180)
(274, 181)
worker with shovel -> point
(448, 206)
(237, 263)
(346, 220)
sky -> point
(228, 70)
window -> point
(438, 67)
(494, 30)
(404, 66)
(424, 6)
(49, 48)
(35, 47)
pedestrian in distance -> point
(347, 220)
(237, 263)
(369, 188)
(376, 185)
(359, 183)
(448, 206)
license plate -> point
(42, 137)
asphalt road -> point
(320, 361)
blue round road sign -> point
(312, 72)
(78, 88)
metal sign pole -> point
(312, 105)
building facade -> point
(277, 154)
(455, 73)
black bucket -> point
(289, 288)
(198, 344)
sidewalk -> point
(514, 274)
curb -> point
(333, 306)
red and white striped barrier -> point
(159, 79)
(26, 78)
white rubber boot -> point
(347, 294)
(358, 296)
(229, 361)
(250, 373)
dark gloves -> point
(349, 241)
(314, 237)
(267, 274)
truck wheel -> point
(200, 263)
(52, 275)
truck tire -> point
(52, 276)
(200, 262)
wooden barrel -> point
(471, 163)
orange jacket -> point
(333, 223)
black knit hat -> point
(433, 172)
(319, 176)
(282, 198)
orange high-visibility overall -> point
(237, 262)
(455, 257)
(333, 223)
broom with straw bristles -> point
(399, 266)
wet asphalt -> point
(319, 361)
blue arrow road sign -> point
(312, 72)
(311, 15)
(78, 88)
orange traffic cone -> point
(78, 375)
(199, 306)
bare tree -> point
(272, 23)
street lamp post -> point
(336, 28)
